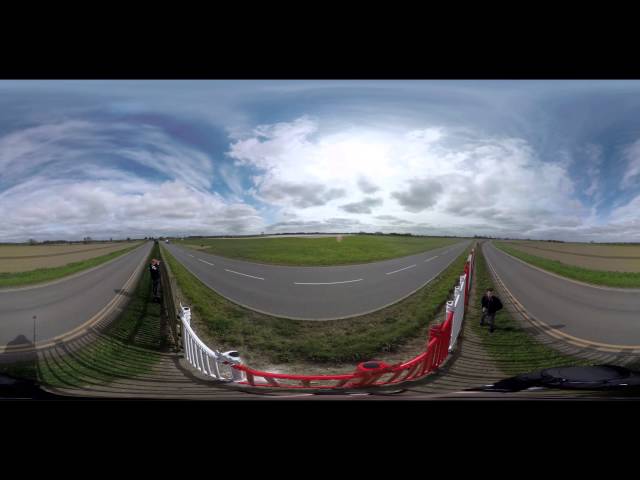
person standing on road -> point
(154, 268)
(491, 304)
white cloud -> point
(632, 173)
(432, 176)
(300, 195)
(366, 186)
(80, 146)
(427, 180)
(60, 181)
(364, 206)
(421, 195)
(592, 165)
(43, 209)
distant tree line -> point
(85, 240)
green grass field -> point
(41, 275)
(129, 347)
(596, 277)
(283, 340)
(319, 251)
(510, 345)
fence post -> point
(232, 358)
(466, 287)
(371, 371)
(436, 332)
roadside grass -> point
(352, 249)
(263, 338)
(40, 275)
(129, 347)
(596, 277)
(513, 349)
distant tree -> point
(128, 239)
(32, 241)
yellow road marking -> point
(553, 332)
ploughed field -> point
(349, 249)
(23, 258)
(602, 257)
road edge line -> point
(68, 277)
(318, 319)
(555, 333)
(578, 282)
(83, 328)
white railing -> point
(471, 267)
(457, 307)
(212, 363)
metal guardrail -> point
(170, 311)
(460, 301)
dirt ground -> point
(21, 258)
(611, 258)
(408, 351)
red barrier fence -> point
(372, 373)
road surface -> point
(317, 293)
(601, 315)
(58, 308)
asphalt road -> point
(317, 293)
(59, 307)
(603, 315)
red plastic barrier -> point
(371, 373)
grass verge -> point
(596, 277)
(351, 249)
(279, 340)
(513, 348)
(129, 347)
(40, 275)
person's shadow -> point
(21, 364)
(19, 371)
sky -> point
(537, 159)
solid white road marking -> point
(204, 261)
(326, 283)
(238, 273)
(396, 271)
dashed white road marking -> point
(204, 261)
(238, 273)
(405, 268)
(326, 283)
(191, 255)
(429, 259)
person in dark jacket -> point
(491, 304)
(154, 268)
